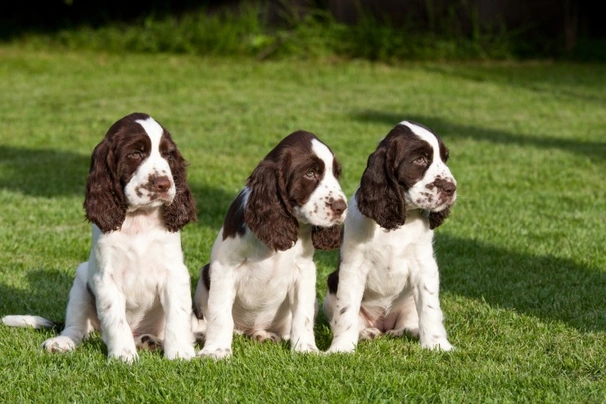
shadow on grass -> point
(43, 172)
(572, 83)
(46, 294)
(596, 151)
(548, 288)
(52, 173)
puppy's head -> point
(407, 171)
(137, 166)
(297, 182)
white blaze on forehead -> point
(420, 195)
(423, 134)
(318, 210)
(154, 131)
(138, 190)
(322, 151)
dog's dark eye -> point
(310, 174)
(421, 161)
(135, 155)
(168, 154)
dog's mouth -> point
(445, 201)
(165, 197)
(430, 201)
(151, 201)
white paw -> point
(126, 355)
(185, 352)
(308, 347)
(342, 348)
(215, 353)
(59, 344)
(441, 345)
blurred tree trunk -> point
(571, 23)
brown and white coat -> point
(135, 287)
(261, 277)
(388, 280)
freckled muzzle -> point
(337, 207)
(156, 188)
(444, 192)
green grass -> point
(522, 259)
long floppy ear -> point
(268, 213)
(379, 196)
(437, 218)
(183, 208)
(326, 238)
(104, 201)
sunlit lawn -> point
(522, 260)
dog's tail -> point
(36, 322)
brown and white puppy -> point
(388, 280)
(261, 277)
(135, 287)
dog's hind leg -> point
(149, 342)
(80, 318)
(403, 319)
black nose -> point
(161, 184)
(448, 187)
(338, 206)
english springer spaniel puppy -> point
(135, 287)
(261, 277)
(387, 280)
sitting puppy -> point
(261, 277)
(387, 281)
(135, 286)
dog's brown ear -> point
(183, 208)
(268, 213)
(104, 202)
(379, 196)
(326, 238)
(437, 218)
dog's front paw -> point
(215, 353)
(59, 344)
(342, 348)
(185, 352)
(438, 344)
(126, 355)
(308, 347)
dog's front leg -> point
(111, 310)
(219, 317)
(80, 318)
(303, 300)
(345, 323)
(432, 333)
(176, 301)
